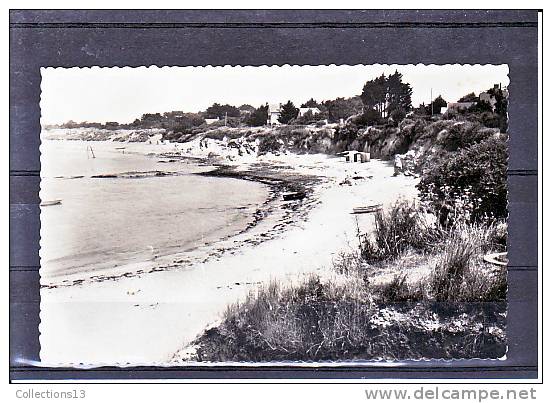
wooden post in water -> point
(91, 151)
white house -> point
(314, 111)
(274, 114)
(485, 96)
(209, 121)
(459, 106)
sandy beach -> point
(148, 316)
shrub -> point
(369, 117)
(314, 320)
(470, 183)
(402, 227)
(344, 136)
(269, 143)
(451, 269)
(349, 264)
(325, 321)
(397, 115)
(398, 291)
(464, 134)
(460, 274)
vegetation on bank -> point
(417, 287)
(454, 307)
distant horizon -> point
(122, 95)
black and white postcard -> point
(273, 214)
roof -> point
(460, 104)
(305, 110)
(352, 152)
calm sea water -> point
(105, 222)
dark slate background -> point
(68, 38)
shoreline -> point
(179, 302)
(275, 214)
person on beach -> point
(397, 165)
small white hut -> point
(355, 156)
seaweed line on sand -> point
(291, 212)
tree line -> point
(383, 99)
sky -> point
(124, 94)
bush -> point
(323, 321)
(397, 115)
(369, 117)
(451, 269)
(469, 184)
(463, 135)
(269, 143)
(314, 320)
(398, 291)
(344, 136)
(397, 230)
(460, 275)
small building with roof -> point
(355, 156)
(313, 111)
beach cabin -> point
(210, 121)
(355, 156)
(274, 114)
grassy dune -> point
(424, 295)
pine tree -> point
(259, 116)
(399, 94)
(437, 104)
(387, 94)
(288, 112)
(311, 103)
(374, 94)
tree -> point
(399, 94)
(69, 124)
(220, 111)
(288, 112)
(112, 125)
(259, 116)
(341, 108)
(471, 97)
(246, 108)
(500, 107)
(480, 106)
(150, 120)
(309, 117)
(438, 103)
(311, 103)
(386, 94)
(374, 94)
